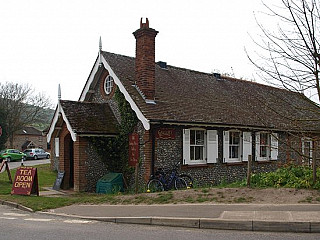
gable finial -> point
(100, 44)
(100, 49)
(59, 92)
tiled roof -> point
(186, 96)
(29, 131)
(90, 118)
(26, 144)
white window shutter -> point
(56, 146)
(186, 146)
(212, 143)
(258, 158)
(274, 146)
(246, 145)
(225, 146)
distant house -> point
(29, 137)
(210, 123)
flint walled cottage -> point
(208, 122)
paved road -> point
(185, 210)
(17, 164)
(16, 224)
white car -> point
(36, 153)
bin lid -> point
(111, 177)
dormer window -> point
(108, 84)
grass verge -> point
(208, 194)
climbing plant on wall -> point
(114, 150)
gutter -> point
(218, 125)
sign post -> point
(25, 182)
(5, 163)
(249, 170)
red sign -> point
(133, 149)
(166, 133)
(25, 182)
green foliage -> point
(114, 151)
(290, 177)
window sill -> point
(203, 165)
(264, 161)
(235, 163)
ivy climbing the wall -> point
(114, 150)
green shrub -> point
(290, 177)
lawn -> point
(46, 178)
(275, 193)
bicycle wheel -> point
(188, 180)
(154, 185)
(180, 184)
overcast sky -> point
(44, 43)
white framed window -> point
(237, 146)
(197, 146)
(306, 145)
(266, 146)
(246, 145)
(108, 84)
(200, 146)
(234, 145)
(56, 147)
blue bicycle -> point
(162, 181)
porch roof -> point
(90, 118)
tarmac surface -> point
(249, 217)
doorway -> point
(68, 181)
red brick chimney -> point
(145, 59)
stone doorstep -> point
(49, 191)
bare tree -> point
(289, 57)
(291, 54)
(21, 106)
(3, 132)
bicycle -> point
(186, 177)
(163, 182)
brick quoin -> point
(64, 159)
(80, 169)
(147, 155)
(145, 59)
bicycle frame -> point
(167, 182)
